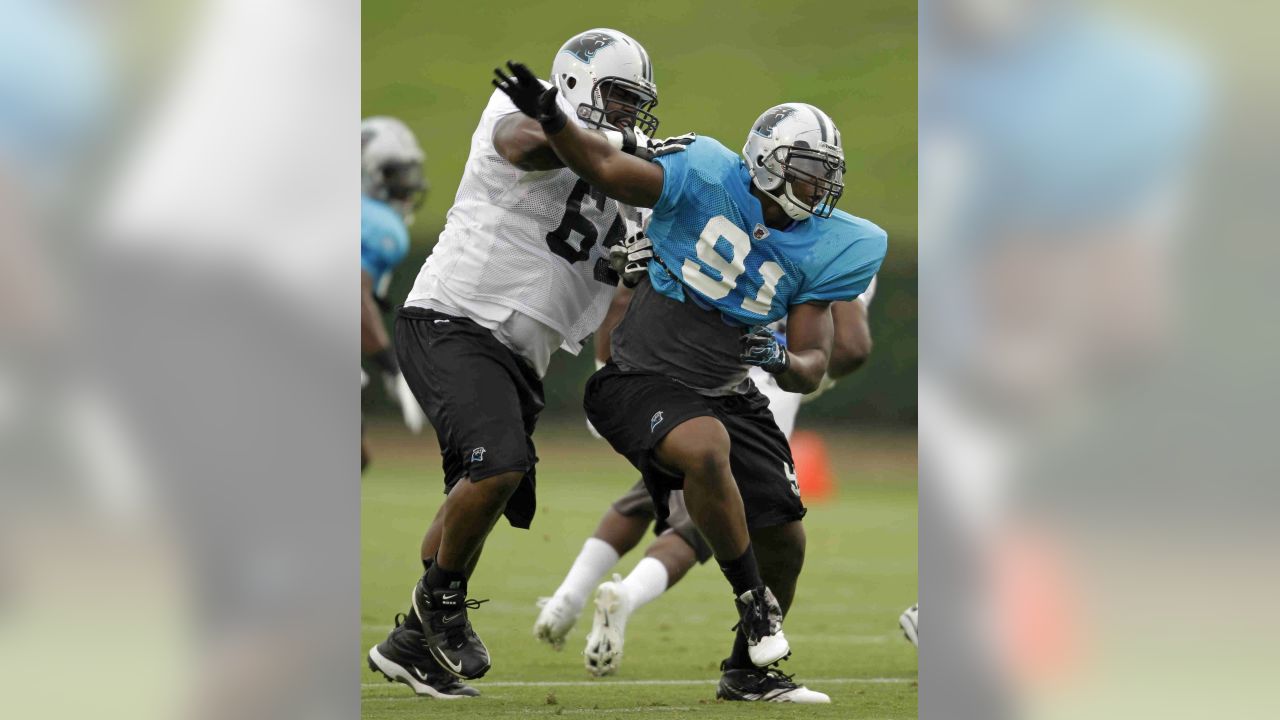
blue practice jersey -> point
(384, 240)
(708, 232)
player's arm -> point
(376, 344)
(800, 365)
(809, 339)
(623, 177)
(373, 336)
(520, 140)
(604, 334)
(851, 345)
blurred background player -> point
(678, 546)
(521, 269)
(392, 187)
(675, 400)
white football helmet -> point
(391, 165)
(606, 75)
(792, 145)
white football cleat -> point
(558, 616)
(603, 653)
(910, 624)
(760, 619)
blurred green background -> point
(717, 65)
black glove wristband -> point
(555, 123)
(550, 116)
(785, 364)
(385, 359)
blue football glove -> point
(760, 347)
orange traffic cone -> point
(813, 468)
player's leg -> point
(431, 538)
(620, 530)
(482, 401)
(666, 561)
(431, 544)
(698, 450)
(761, 461)
(670, 434)
(470, 512)
(403, 657)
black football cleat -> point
(403, 658)
(450, 639)
(765, 685)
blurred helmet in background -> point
(391, 165)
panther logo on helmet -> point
(769, 123)
(585, 46)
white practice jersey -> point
(530, 242)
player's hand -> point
(550, 116)
(527, 93)
(399, 392)
(630, 258)
(523, 87)
(667, 146)
(761, 348)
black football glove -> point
(528, 94)
(761, 348)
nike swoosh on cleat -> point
(456, 668)
(447, 598)
(451, 618)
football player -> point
(392, 187)
(736, 243)
(520, 270)
(678, 546)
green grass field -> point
(859, 574)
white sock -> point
(596, 559)
(646, 582)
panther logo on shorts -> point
(477, 455)
(655, 421)
(790, 471)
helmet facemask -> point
(803, 180)
(618, 103)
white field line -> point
(800, 637)
(607, 683)
(595, 712)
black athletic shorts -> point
(482, 399)
(634, 411)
